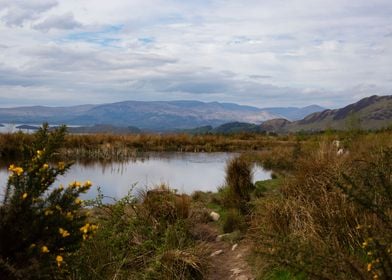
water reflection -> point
(185, 172)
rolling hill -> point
(151, 116)
(370, 113)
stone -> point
(216, 253)
(214, 216)
(221, 236)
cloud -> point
(65, 22)
(251, 52)
(17, 12)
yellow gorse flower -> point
(87, 184)
(78, 200)
(44, 249)
(63, 232)
(69, 215)
(48, 212)
(85, 228)
(45, 166)
(16, 170)
(369, 267)
(59, 260)
(24, 196)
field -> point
(325, 213)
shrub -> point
(238, 183)
(40, 226)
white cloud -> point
(251, 52)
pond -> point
(186, 172)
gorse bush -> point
(40, 226)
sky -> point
(253, 52)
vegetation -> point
(325, 213)
(40, 228)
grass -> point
(323, 215)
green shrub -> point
(40, 226)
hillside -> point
(370, 113)
(294, 113)
(154, 115)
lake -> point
(186, 172)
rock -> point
(221, 236)
(234, 247)
(235, 271)
(216, 253)
(214, 216)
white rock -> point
(214, 216)
(235, 271)
(234, 247)
(221, 236)
(216, 253)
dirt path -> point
(228, 261)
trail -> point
(226, 261)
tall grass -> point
(328, 210)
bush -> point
(142, 239)
(40, 226)
(238, 184)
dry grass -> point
(312, 224)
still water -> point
(186, 172)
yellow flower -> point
(15, 169)
(76, 184)
(78, 200)
(45, 166)
(375, 276)
(59, 260)
(85, 228)
(61, 187)
(58, 207)
(63, 232)
(94, 227)
(39, 153)
(24, 196)
(369, 267)
(48, 212)
(32, 246)
(87, 184)
(44, 249)
(69, 215)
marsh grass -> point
(315, 223)
(147, 237)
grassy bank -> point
(325, 213)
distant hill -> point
(226, 128)
(151, 116)
(101, 128)
(370, 113)
(294, 113)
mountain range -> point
(370, 113)
(152, 115)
